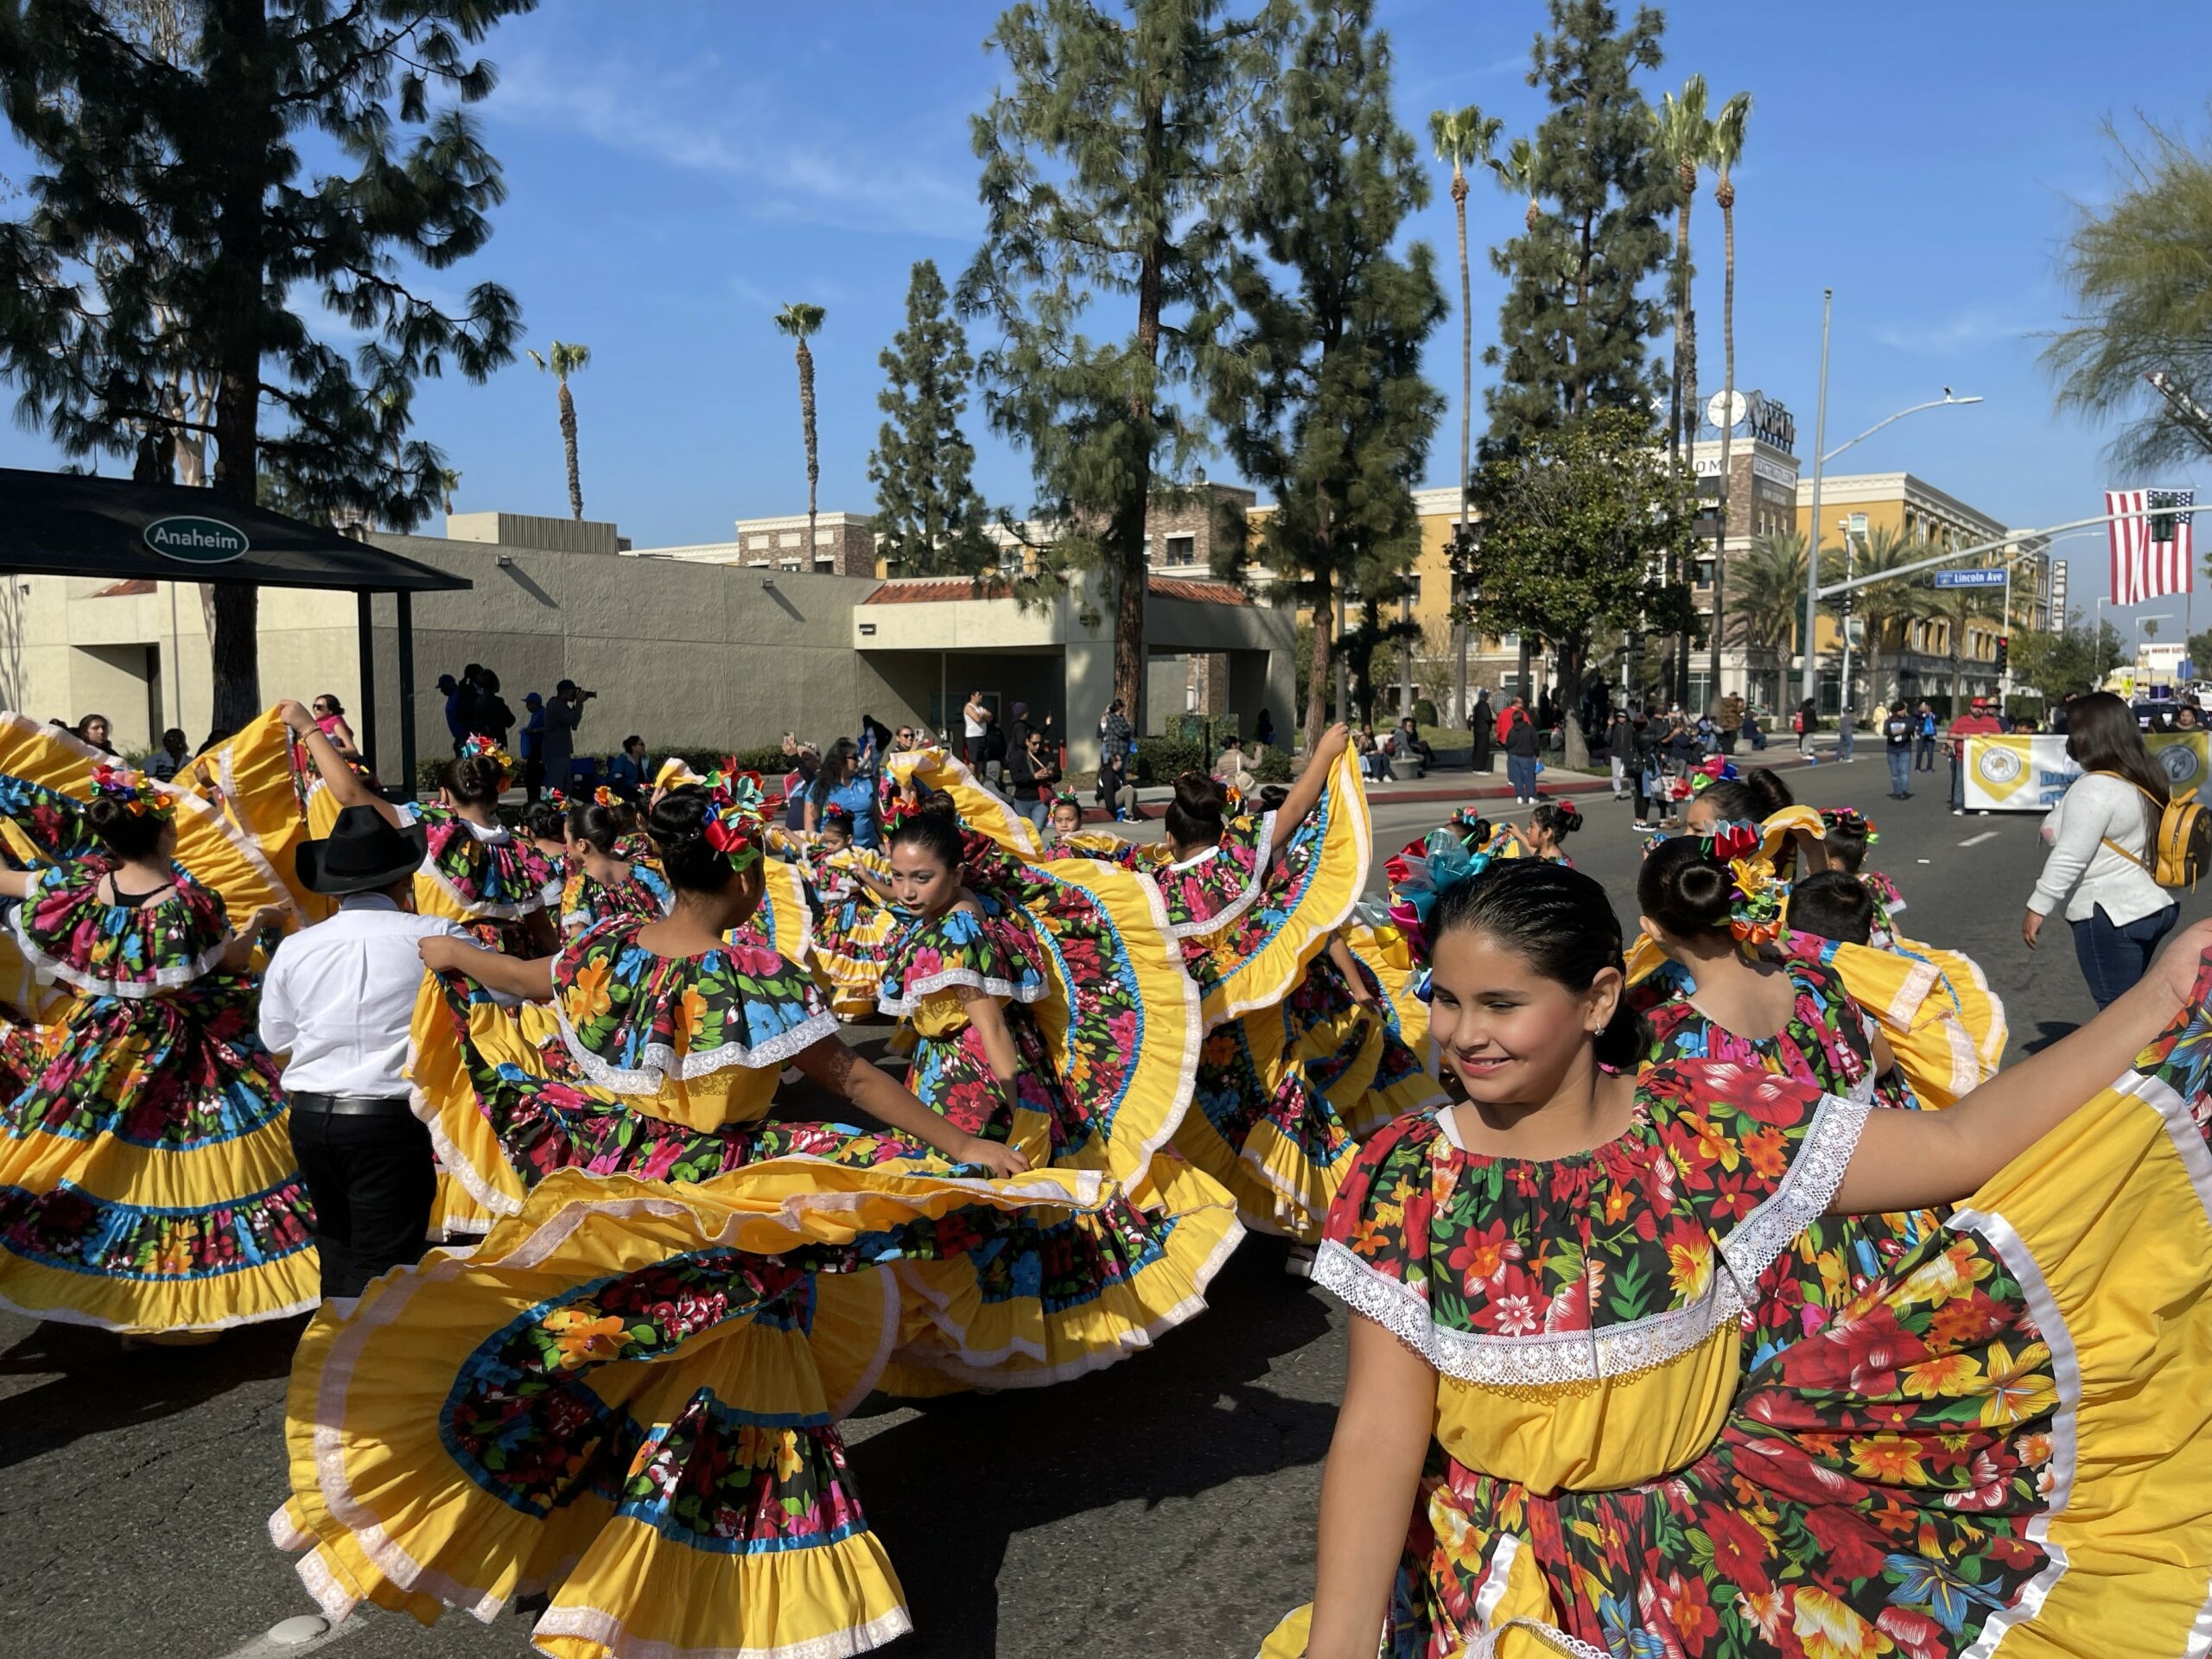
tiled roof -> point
(926, 590)
(124, 589)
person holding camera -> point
(557, 746)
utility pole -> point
(1810, 687)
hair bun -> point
(1683, 890)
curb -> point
(1427, 791)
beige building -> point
(689, 653)
(1916, 650)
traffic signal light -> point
(2004, 649)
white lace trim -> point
(607, 1630)
(166, 978)
(918, 990)
(478, 909)
(1263, 854)
(1551, 1359)
(662, 1063)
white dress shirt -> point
(340, 996)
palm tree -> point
(1516, 176)
(1885, 607)
(563, 360)
(449, 482)
(798, 319)
(1724, 151)
(1957, 608)
(1682, 136)
(1463, 138)
(1770, 601)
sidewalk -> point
(1458, 785)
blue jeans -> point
(2114, 958)
(1924, 760)
(1900, 768)
(1844, 738)
(1521, 769)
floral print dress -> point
(147, 1181)
(1828, 1041)
(1985, 1440)
(639, 1376)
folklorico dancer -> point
(625, 1399)
(1311, 1028)
(147, 1183)
(1555, 1438)
(608, 868)
(1045, 1007)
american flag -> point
(2141, 567)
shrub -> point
(1424, 712)
(1162, 760)
(1272, 766)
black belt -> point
(351, 1105)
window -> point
(1182, 550)
(825, 564)
(788, 538)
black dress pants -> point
(372, 1180)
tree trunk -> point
(1125, 536)
(1728, 398)
(1521, 685)
(569, 442)
(1572, 656)
(813, 459)
(1689, 417)
(237, 76)
(1467, 423)
(1317, 671)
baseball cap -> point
(530, 699)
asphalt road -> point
(1165, 1507)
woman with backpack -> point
(1804, 722)
(2104, 838)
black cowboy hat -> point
(363, 853)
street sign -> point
(1970, 578)
(190, 539)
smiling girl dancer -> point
(1554, 1440)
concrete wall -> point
(684, 655)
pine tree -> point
(191, 153)
(929, 519)
(1580, 312)
(1316, 384)
(1102, 163)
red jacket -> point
(1505, 722)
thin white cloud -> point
(1975, 326)
(702, 118)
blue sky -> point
(677, 171)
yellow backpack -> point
(2183, 844)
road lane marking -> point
(1976, 840)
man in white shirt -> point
(338, 999)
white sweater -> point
(2095, 809)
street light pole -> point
(1810, 686)
(1849, 567)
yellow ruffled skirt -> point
(626, 1400)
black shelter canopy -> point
(69, 525)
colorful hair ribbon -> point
(481, 747)
(1420, 874)
(734, 826)
(1713, 769)
(133, 790)
(1835, 817)
(1726, 843)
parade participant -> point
(1711, 908)
(610, 868)
(337, 1001)
(1850, 833)
(546, 824)
(1547, 1377)
(2101, 833)
(1787, 830)
(857, 923)
(1066, 821)
(626, 1399)
(1831, 904)
(147, 1182)
(1549, 825)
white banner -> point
(2026, 773)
